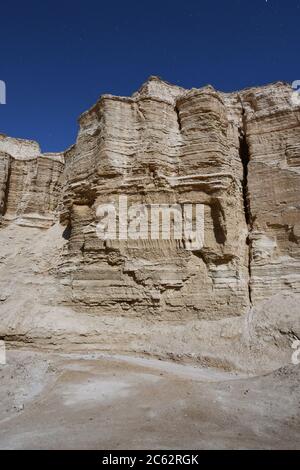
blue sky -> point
(58, 57)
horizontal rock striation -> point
(162, 146)
(273, 139)
(29, 183)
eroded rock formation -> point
(29, 182)
(237, 154)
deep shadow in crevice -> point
(244, 153)
(178, 118)
(67, 232)
(245, 158)
(219, 226)
(6, 191)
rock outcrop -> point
(273, 140)
(237, 154)
(29, 182)
(162, 146)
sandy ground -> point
(96, 401)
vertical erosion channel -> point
(245, 158)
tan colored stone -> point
(29, 182)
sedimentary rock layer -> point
(273, 139)
(29, 182)
(162, 146)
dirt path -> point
(55, 401)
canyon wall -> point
(29, 182)
(237, 154)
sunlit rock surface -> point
(29, 182)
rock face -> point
(273, 139)
(236, 154)
(162, 146)
(29, 182)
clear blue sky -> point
(58, 57)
